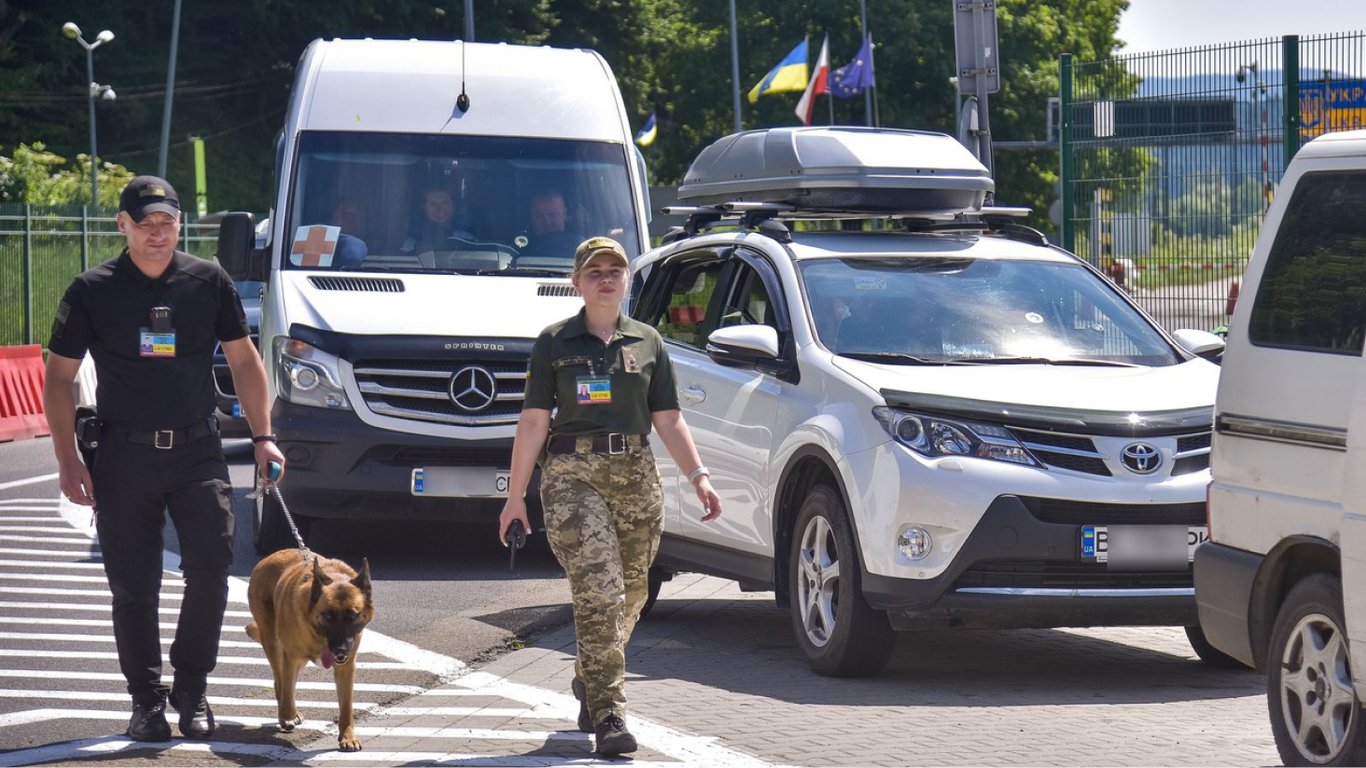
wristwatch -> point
(699, 472)
(264, 438)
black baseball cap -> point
(149, 194)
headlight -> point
(305, 375)
(936, 436)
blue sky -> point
(1152, 25)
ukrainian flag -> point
(646, 137)
(789, 75)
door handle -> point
(692, 394)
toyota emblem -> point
(473, 388)
(1140, 458)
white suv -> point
(953, 424)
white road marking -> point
(54, 577)
(214, 681)
(259, 661)
(51, 564)
(102, 608)
(45, 552)
(44, 715)
(38, 528)
(122, 699)
(98, 593)
(29, 481)
(56, 637)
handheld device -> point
(516, 539)
(273, 470)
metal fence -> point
(43, 248)
(1170, 159)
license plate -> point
(461, 482)
(1142, 546)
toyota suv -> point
(938, 421)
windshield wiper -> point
(1034, 360)
(533, 271)
(896, 357)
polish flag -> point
(819, 83)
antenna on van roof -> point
(462, 102)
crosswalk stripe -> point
(51, 564)
(537, 713)
(104, 593)
(214, 681)
(82, 540)
(63, 528)
(54, 637)
(42, 715)
(29, 481)
(99, 607)
(122, 699)
(53, 577)
(249, 660)
(93, 554)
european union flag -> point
(851, 79)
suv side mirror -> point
(739, 345)
(236, 247)
(1200, 343)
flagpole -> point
(735, 66)
(863, 26)
(872, 62)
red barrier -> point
(1232, 300)
(21, 393)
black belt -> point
(614, 444)
(166, 439)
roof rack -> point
(769, 218)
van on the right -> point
(1281, 583)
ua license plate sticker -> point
(460, 482)
(1142, 546)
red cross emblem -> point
(314, 246)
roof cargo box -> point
(839, 169)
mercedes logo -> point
(473, 388)
(1140, 458)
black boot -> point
(149, 722)
(612, 737)
(196, 719)
(585, 717)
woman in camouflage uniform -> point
(608, 380)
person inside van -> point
(438, 224)
(548, 235)
(351, 247)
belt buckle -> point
(170, 438)
(616, 444)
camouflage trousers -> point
(603, 518)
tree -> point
(36, 176)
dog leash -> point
(273, 469)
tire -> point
(836, 629)
(1208, 653)
(1315, 715)
(269, 530)
(657, 577)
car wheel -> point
(1208, 653)
(839, 633)
(655, 580)
(1315, 715)
(269, 529)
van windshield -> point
(964, 311)
(466, 204)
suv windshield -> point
(471, 204)
(975, 311)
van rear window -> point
(1313, 290)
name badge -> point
(629, 361)
(152, 344)
(594, 391)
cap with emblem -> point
(599, 245)
(149, 194)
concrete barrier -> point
(21, 393)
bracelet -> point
(699, 472)
(264, 439)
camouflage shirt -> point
(596, 388)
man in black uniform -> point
(150, 319)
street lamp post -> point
(1264, 134)
(96, 91)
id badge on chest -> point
(159, 340)
(593, 390)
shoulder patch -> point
(59, 320)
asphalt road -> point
(443, 588)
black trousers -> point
(135, 486)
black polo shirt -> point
(146, 379)
(595, 388)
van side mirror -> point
(237, 247)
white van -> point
(1281, 584)
(430, 198)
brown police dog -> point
(310, 608)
